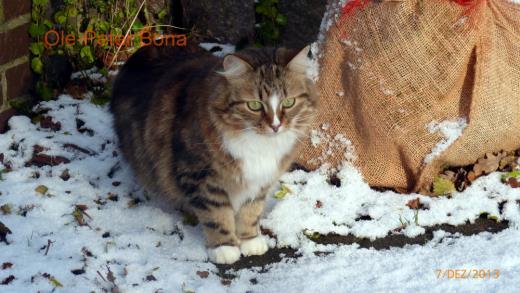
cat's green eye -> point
(288, 103)
(254, 105)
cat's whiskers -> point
(304, 118)
(301, 133)
(247, 129)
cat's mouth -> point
(272, 132)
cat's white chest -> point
(260, 156)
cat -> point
(214, 134)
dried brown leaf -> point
(414, 204)
(318, 204)
(489, 163)
(7, 280)
(3, 233)
(110, 276)
(513, 182)
(508, 163)
(7, 265)
(471, 176)
(203, 274)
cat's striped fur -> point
(185, 126)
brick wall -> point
(15, 72)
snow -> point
(92, 73)
(331, 144)
(342, 206)
(410, 269)
(331, 15)
(450, 130)
(136, 237)
(219, 50)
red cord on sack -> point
(470, 4)
(349, 7)
(465, 2)
(352, 5)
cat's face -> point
(268, 98)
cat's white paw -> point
(224, 254)
(254, 246)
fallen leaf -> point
(65, 175)
(312, 235)
(42, 189)
(284, 190)
(450, 175)
(513, 174)
(78, 216)
(108, 245)
(267, 232)
(513, 182)
(7, 280)
(493, 217)
(414, 203)
(471, 176)
(203, 274)
(3, 233)
(110, 276)
(442, 186)
(508, 163)
(86, 252)
(38, 149)
(318, 204)
(6, 209)
(52, 280)
(7, 265)
(186, 290)
(40, 160)
(112, 197)
(55, 282)
(46, 122)
(225, 282)
(489, 163)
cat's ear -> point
(300, 63)
(234, 66)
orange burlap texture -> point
(392, 67)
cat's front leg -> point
(248, 229)
(217, 217)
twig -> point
(101, 276)
(164, 25)
(127, 33)
(49, 242)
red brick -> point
(14, 8)
(19, 80)
(4, 117)
(14, 43)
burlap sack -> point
(391, 68)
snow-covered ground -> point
(105, 233)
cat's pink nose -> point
(275, 127)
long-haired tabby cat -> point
(214, 134)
